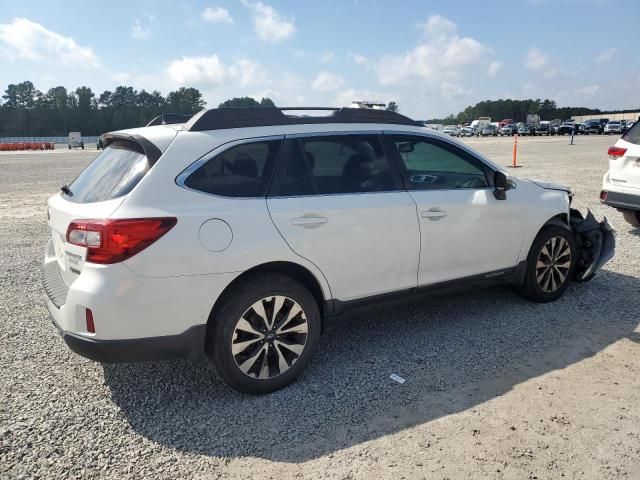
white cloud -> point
(270, 25)
(589, 90)
(536, 60)
(494, 68)
(606, 56)
(360, 59)
(209, 72)
(197, 71)
(246, 72)
(452, 90)
(217, 15)
(22, 38)
(327, 57)
(327, 82)
(438, 25)
(139, 30)
(441, 55)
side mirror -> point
(501, 184)
(406, 147)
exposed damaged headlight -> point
(595, 242)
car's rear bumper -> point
(623, 201)
(135, 318)
(189, 344)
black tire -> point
(632, 217)
(531, 288)
(235, 304)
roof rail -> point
(169, 119)
(239, 117)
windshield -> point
(112, 174)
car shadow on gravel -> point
(455, 352)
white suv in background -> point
(621, 183)
(233, 237)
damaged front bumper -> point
(595, 241)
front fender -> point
(595, 241)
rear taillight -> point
(616, 152)
(112, 241)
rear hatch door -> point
(95, 194)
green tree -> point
(247, 102)
(392, 107)
(185, 100)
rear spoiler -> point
(169, 119)
(152, 152)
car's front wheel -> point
(264, 333)
(550, 265)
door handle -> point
(433, 214)
(309, 222)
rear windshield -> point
(115, 172)
(633, 134)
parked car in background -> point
(75, 140)
(452, 130)
(630, 124)
(603, 122)
(524, 129)
(592, 126)
(505, 122)
(567, 128)
(614, 126)
(544, 128)
(555, 124)
(509, 130)
(467, 132)
(621, 183)
(233, 238)
(489, 131)
(580, 128)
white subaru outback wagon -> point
(621, 183)
(234, 236)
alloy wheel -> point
(269, 337)
(553, 264)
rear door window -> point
(326, 165)
(240, 171)
(114, 173)
(633, 134)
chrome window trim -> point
(182, 176)
(333, 133)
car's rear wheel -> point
(550, 265)
(632, 217)
(264, 333)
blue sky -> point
(432, 57)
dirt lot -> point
(496, 387)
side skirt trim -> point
(513, 275)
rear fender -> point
(595, 242)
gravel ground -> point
(496, 387)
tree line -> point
(26, 111)
(517, 110)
